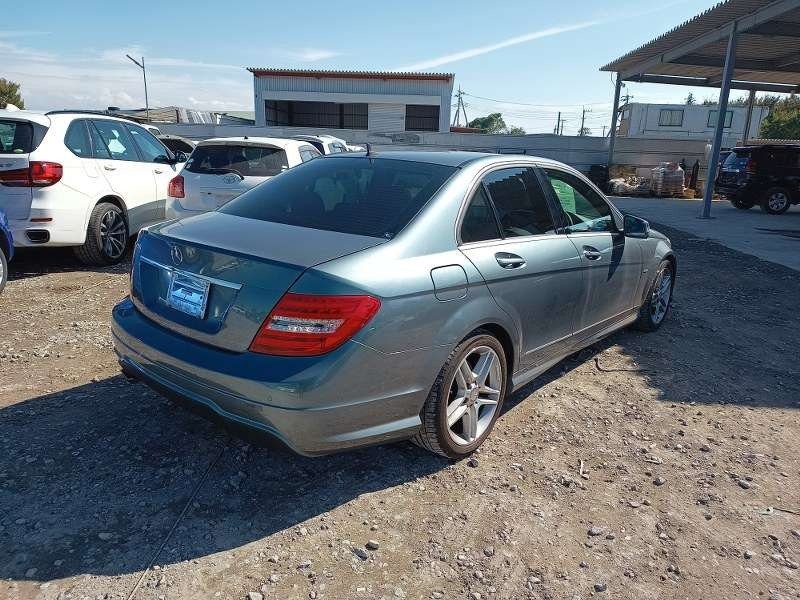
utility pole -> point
(558, 124)
(460, 107)
(563, 121)
(604, 130)
(583, 120)
(144, 75)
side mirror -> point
(634, 227)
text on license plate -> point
(188, 294)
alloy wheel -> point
(662, 293)
(777, 201)
(113, 234)
(474, 395)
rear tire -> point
(457, 395)
(776, 201)
(659, 298)
(3, 270)
(106, 237)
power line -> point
(537, 105)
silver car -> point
(364, 298)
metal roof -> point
(693, 53)
(324, 73)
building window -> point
(670, 117)
(712, 118)
(422, 117)
(330, 115)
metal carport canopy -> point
(742, 44)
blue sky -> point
(542, 53)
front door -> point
(533, 273)
(612, 263)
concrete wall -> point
(579, 152)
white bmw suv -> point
(81, 179)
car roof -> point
(252, 141)
(25, 115)
(453, 158)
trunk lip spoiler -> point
(170, 268)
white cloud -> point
(312, 54)
(513, 41)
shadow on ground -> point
(35, 262)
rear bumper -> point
(175, 210)
(354, 396)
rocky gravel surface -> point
(657, 465)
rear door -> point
(612, 263)
(534, 274)
(16, 143)
(126, 173)
(215, 174)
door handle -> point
(509, 261)
(592, 253)
(109, 167)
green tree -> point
(9, 94)
(690, 99)
(783, 120)
(494, 123)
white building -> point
(375, 101)
(687, 121)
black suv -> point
(766, 175)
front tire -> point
(3, 270)
(466, 398)
(659, 299)
(776, 201)
(106, 237)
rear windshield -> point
(16, 137)
(177, 145)
(247, 161)
(359, 195)
(736, 161)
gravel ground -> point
(657, 465)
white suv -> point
(220, 169)
(327, 144)
(81, 179)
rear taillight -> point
(750, 167)
(175, 188)
(37, 174)
(309, 325)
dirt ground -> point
(688, 440)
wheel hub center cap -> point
(473, 395)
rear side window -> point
(117, 140)
(520, 203)
(247, 161)
(479, 223)
(77, 139)
(736, 161)
(363, 196)
(16, 137)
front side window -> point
(670, 117)
(363, 196)
(77, 139)
(712, 118)
(116, 139)
(582, 207)
(150, 148)
(519, 201)
(247, 161)
(479, 223)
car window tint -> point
(359, 195)
(479, 223)
(521, 206)
(77, 139)
(117, 140)
(583, 208)
(149, 147)
(99, 149)
(248, 161)
(308, 153)
(16, 137)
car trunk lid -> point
(231, 269)
(207, 191)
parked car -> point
(6, 249)
(177, 143)
(362, 299)
(220, 169)
(79, 179)
(326, 144)
(766, 175)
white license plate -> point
(188, 294)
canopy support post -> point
(612, 134)
(751, 100)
